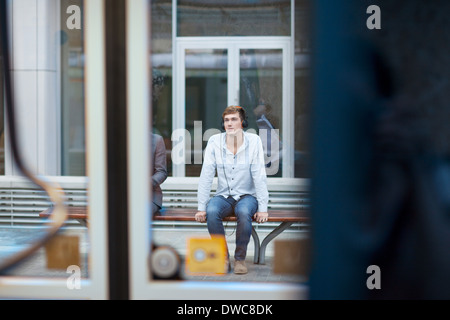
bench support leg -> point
(275, 232)
(257, 245)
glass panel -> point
(201, 18)
(212, 76)
(206, 98)
(161, 46)
(72, 95)
(302, 88)
(261, 88)
(2, 124)
(24, 207)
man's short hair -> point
(234, 109)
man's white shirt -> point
(238, 174)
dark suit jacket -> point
(159, 173)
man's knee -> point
(244, 213)
(212, 214)
(216, 209)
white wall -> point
(35, 69)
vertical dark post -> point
(343, 86)
(116, 128)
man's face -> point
(232, 123)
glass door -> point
(206, 83)
(216, 73)
(261, 92)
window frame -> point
(96, 286)
(233, 46)
(142, 286)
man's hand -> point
(200, 216)
(261, 217)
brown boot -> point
(240, 267)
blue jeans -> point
(219, 207)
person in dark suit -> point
(159, 170)
(159, 162)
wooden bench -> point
(285, 218)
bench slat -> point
(185, 214)
(72, 212)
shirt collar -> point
(244, 145)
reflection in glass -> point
(302, 87)
(2, 127)
(200, 18)
(161, 60)
(213, 78)
(52, 62)
(261, 90)
(72, 96)
(206, 98)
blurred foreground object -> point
(207, 255)
(380, 178)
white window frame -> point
(96, 286)
(233, 45)
(37, 112)
(142, 286)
